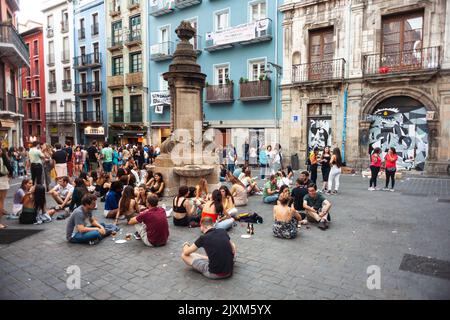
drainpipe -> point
(347, 74)
(276, 74)
(344, 127)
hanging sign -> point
(160, 98)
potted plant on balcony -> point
(207, 84)
(229, 82)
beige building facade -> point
(361, 74)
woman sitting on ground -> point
(238, 191)
(25, 187)
(228, 201)
(112, 200)
(201, 191)
(290, 173)
(78, 192)
(128, 206)
(282, 179)
(149, 178)
(142, 197)
(157, 187)
(250, 185)
(214, 209)
(87, 181)
(121, 172)
(34, 207)
(285, 220)
(184, 213)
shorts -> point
(202, 266)
(4, 183)
(107, 166)
(94, 166)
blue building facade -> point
(239, 49)
(90, 70)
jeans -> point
(373, 178)
(225, 224)
(335, 174)
(272, 198)
(86, 237)
(231, 167)
(263, 170)
(389, 175)
(15, 166)
(314, 173)
(36, 173)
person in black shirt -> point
(218, 264)
(299, 192)
(93, 156)
(68, 149)
(60, 161)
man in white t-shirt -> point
(62, 192)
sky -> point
(31, 10)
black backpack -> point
(250, 217)
(27, 217)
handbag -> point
(53, 174)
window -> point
(319, 109)
(194, 40)
(36, 67)
(82, 24)
(50, 22)
(81, 32)
(30, 110)
(53, 106)
(117, 32)
(321, 54)
(118, 109)
(222, 20)
(36, 87)
(95, 24)
(97, 109)
(65, 17)
(258, 11)
(38, 110)
(117, 64)
(163, 84)
(67, 73)
(38, 130)
(222, 74)
(164, 38)
(30, 130)
(257, 68)
(96, 52)
(36, 47)
(136, 108)
(51, 48)
(136, 62)
(135, 27)
(66, 49)
(67, 106)
(52, 76)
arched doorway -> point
(401, 122)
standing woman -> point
(115, 161)
(270, 157)
(263, 161)
(325, 162)
(78, 161)
(375, 166)
(391, 167)
(6, 172)
(335, 173)
(48, 165)
(314, 163)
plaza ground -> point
(368, 228)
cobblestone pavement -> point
(368, 228)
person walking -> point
(325, 163)
(35, 159)
(391, 167)
(6, 172)
(314, 163)
(335, 173)
(93, 155)
(375, 166)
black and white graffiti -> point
(319, 134)
(406, 130)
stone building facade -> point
(361, 74)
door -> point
(321, 54)
(83, 83)
(194, 40)
(96, 53)
(319, 125)
(164, 41)
(97, 81)
(84, 111)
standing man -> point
(68, 149)
(60, 161)
(246, 149)
(35, 163)
(93, 156)
(107, 155)
(231, 157)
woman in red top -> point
(375, 166)
(391, 167)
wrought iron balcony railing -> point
(67, 85)
(126, 117)
(88, 88)
(319, 71)
(88, 116)
(162, 51)
(52, 87)
(12, 46)
(87, 60)
(59, 117)
(94, 29)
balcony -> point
(65, 56)
(64, 26)
(92, 60)
(89, 117)
(12, 103)
(134, 79)
(81, 34)
(162, 51)
(222, 93)
(36, 72)
(126, 117)
(12, 47)
(255, 90)
(50, 60)
(50, 32)
(13, 4)
(51, 87)
(94, 29)
(31, 95)
(134, 38)
(244, 34)
(59, 117)
(67, 85)
(33, 116)
(115, 82)
(313, 72)
(420, 63)
(134, 5)
(161, 8)
(114, 9)
(181, 4)
(88, 88)
(115, 43)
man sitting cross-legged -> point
(271, 192)
(219, 261)
(151, 224)
(317, 207)
(62, 193)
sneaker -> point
(137, 236)
(334, 192)
(94, 242)
(259, 193)
(12, 217)
(385, 189)
(122, 217)
(371, 189)
(322, 225)
(392, 190)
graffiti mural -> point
(319, 134)
(406, 130)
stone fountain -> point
(183, 159)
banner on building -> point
(166, 4)
(159, 109)
(240, 33)
(160, 98)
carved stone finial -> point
(185, 31)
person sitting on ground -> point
(238, 171)
(157, 187)
(285, 219)
(202, 194)
(112, 200)
(135, 173)
(285, 194)
(290, 173)
(151, 225)
(223, 173)
(77, 227)
(34, 207)
(299, 193)
(228, 201)
(19, 195)
(220, 252)
(270, 193)
(250, 185)
(87, 181)
(282, 179)
(214, 209)
(194, 202)
(149, 179)
(317, 207)
(78, 193)
(128, 206)
(103, 184)
(121, 172)
(238, 191)
(184, 212)
(141, 197)
(62, 193)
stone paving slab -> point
(368, 228)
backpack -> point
(27, 217)
(249, 217)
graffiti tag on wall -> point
(319, 134)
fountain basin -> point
(193, 171)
